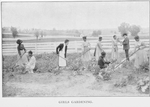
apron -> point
(62, 62)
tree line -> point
(123, 28)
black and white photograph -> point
(75, 49)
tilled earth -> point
(64, 84)
(52, 83)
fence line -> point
(74, 46)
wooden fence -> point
(73, 47)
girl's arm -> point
(136, 46)
(82, 47)
(89, 45)
(58, 47)
(100, 46)
(19, 51)
(142, 45)
(24, 48)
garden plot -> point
(72, 81)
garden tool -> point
(119, 65)
(12, 68)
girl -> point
(141, 55)
(86, 55)
(114, 55)
(99, 49)
(31, 62)
(62, 51)
(21, 54)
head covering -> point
(84, 37)
(30, 52)
(19, 41)
(125, 34)
(103, 53)
(136, 37)
(100, 37)
(114, 36)
(66, 40)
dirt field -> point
(67, 83)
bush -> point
(134, 30)
(143, 85)
(123, 28)
(145, 67)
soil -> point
(66, 84)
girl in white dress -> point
(31, 62)
(114, 54)
(86, 55)
(141, 55)
(99, 49)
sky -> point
(74, 15)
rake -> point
(12, 67)
(119, 65)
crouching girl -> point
(31, 63)
(102, 65)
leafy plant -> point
(143, 85)
(145, 67)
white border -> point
(53, 101)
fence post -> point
(36, 47)
(76, 48)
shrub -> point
(143, 85)
(145, 66)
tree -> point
(99, 32)
(134, 30)
(77, 33)
(123, 28)
(14, 32)
(42, 34)
(96, 33)
(3, 29)
(36, 34)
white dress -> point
(98, 50)
(85, 49)
(31, 64)
(62, 61)
(114, 54)
(141, 55)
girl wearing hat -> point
(86, 55)
(141, 55)
(21, 53)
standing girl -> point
(86, 55)
(21, 54)
(62, 51)
(141, 55)
(114, 55)
(98, 49)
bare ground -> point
(66, 84)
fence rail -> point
(74, 46)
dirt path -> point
(64, 84)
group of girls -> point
(140, 56)
(25, 61)
(29, 60)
